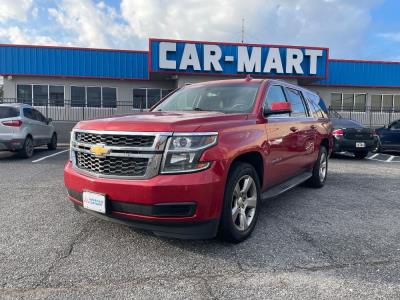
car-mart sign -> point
(235, 59)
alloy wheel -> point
(244, 202)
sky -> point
(353, 29)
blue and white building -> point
(78, 83)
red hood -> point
(165, 122)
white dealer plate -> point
(360, 145)
(94, 201)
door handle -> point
(293, 129)
(313, 127)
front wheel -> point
(241, 203)
(320, 169)
(361, 154)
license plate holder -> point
(94, 201)
(360, 145)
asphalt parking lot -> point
(342, 241)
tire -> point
(238, 227)
(53, 142)
(320, 169)
(360, 154)
(27, 148)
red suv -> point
(202, 159)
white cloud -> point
(340, 25)
(391, 36)
(16, 35)
(14, 10)
(92, 25)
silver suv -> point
(22, 128)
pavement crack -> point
(68, 250)
(305, 236)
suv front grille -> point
(115, 140)
(127, 155)
(112, 166)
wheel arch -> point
(253, 158)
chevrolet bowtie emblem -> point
(99, 150)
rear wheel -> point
(320, 169)
(241, 203)
(53, 142)
(27, 148)
(360, 154)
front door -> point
(390, 137)
(282, 138)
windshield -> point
(226, 98)
(8, 112)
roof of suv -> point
(16, 105)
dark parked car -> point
(352, 136)
(389, 137)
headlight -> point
(184, 150)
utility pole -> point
(242, 30)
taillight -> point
(12, 123)
(338, 132)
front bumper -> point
(341, 144)
(181, 205)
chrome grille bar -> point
(140, 158)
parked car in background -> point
(389, 137)
(202, 159)
(22, 128)
(352, 136)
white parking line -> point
(390, 158)
(373, 156)
(48, 156)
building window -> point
(336, 101)
(145, 98)
(24, 93)
(385, 103)
(40, 95)
(109, 97)
(347, 101)
(78, 96)
(396, 103)
(56, 93)
(93, 96)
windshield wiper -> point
(198, 109)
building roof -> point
(28, 60)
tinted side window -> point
(395, 126)
(8, 112)
(275, 94)
(38, 116)
(28, 113)
(298, 108)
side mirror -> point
(278, 108)
(49, 120)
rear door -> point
(34, 124)
(45, 129)
(303, 131)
